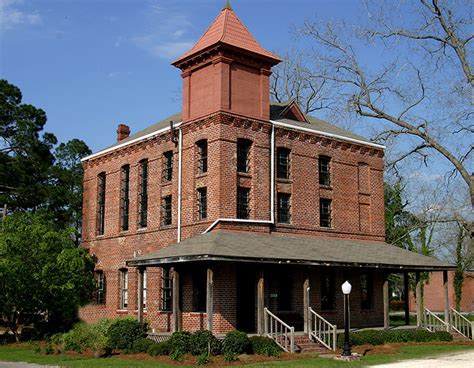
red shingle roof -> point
(227, 28)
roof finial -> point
(227, 5)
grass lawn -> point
(378, 355)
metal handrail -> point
(461, 324)
(282, 333)
(433, 323)
(323, 331)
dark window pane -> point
(243, 203)
(325, 212)
(143, 194)
(324, 170)
(202, 203)
(99, 295)
(328, 286)
(124, 197)
(284, 208)
(123, 289)
(166, 206)
(202, 156)
(168, 166)
(166, 290)
(101, 204)
(283, 163)
(284, 293)
(243, 155)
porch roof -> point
(283, 249)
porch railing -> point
(321, 330)
(282, 333)
(461, 324)
(433, 323)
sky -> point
(92, 64)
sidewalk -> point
(458, 360)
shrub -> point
(141, 345)
(158, 348)
(202, 359)
(124, 331)
(264, 346)
(202, 341)
(236, 342)
(374, 337)
(230, 357)
(83, 336)
(179, 345)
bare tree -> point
(407, 68)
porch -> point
(278, 285)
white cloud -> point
(165, 35)
(11, 16)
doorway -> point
(246, 298)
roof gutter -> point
(207, 257)
(331, 135)
(125, 144)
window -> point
(324, 170)
(143, 194)
(202, 156)
(123, 289)
(284, 214)
(243, 203)
(166, 290)
(199, 291)
(99, 296)
(145, 281)
(202, 203)
(168, 166)
(166, 217)
(328, 286)
(283, 163)
(124, 197)
(325, 212)
(366, 291)
(243, 155)
(101, 204)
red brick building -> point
(237, 206)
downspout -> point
(180, 169)
(272, 175)
(272, 192)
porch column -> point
(141, 271)
(260, 303)
(306, 303)
(209, 299)
(419, 301)
(406, 302)
(176, 308)
(386, 303)
(446, 297)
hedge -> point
(379, 337)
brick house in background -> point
(433, 298)
(238, 207)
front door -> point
(246, 292)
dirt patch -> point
(393, 348)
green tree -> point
(67, 173)
(25, 155)
(43, 274)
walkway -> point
(458, 360)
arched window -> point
(143, 193)
(101, 182)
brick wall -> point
(356, 193)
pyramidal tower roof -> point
(228, 29)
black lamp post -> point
(346, 289)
